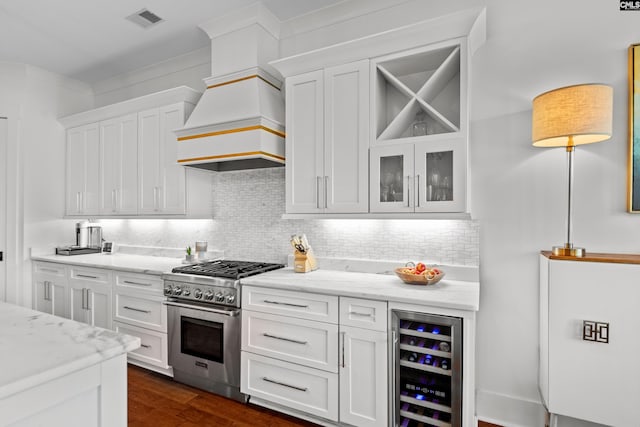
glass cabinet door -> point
(440, 169)
(392, 178)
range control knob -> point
(208, 295)
(186, 292)
(167, 290)
(219, 297)
(177, 290)
(197, 293)
(231, 299)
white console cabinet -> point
(589, 322)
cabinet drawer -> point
(138, 282)
(49, 269)
(141, 310)
(309, 343)
(363, 313)
(154, 345)
(297, 387)
(94, 275)
(303, 305)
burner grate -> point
(228, 269)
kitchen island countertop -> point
(36, 347)
(454, 294)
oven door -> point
(204, 345)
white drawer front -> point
(363, 313)
(303, 305)
(297, 387)
(89, 274)
(141, 310)
(309, 343)
(154, 348)
(48, 269)
(139, 282)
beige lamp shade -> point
(572, 115)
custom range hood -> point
(239, 121)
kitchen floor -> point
(157, 401)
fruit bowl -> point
(429, 276)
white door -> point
(148, 161)
(392, 178)
(99, 306)
(83, 170)
(305, 143)
(172, 194)
(363, 377)
(78, 305)
(3, 204)
(346, 137)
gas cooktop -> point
(228, 269)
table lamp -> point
(570, 116)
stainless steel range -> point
(203, 310)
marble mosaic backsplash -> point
(247, 224)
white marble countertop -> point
(455, 294)
(125, 262)
(36, 347)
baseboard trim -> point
(508, 411)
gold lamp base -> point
(569, 250)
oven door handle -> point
(230, 313)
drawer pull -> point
(355, 313)
(139, 310)
(86, 276)
(145, 345)
(50, 270)
(130, 282)
(269, 380)
(286, 303)
(285, 339)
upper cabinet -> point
(390, 142)
(122, 160)
(327, 140)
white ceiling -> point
(90, 40)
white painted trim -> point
(4, 141)
(255, 13)
(508, 411)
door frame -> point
(13, 259)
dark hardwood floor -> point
(157, 401)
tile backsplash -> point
(247, 224)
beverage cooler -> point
(426, 367)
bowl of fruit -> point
(419, 274)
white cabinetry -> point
(363, 364)
(300, 354)
(419, 152)
(118, 165)
(50, 288)
(90, 296)
(161, 179)
(83, 170)
(589, 322)
(138, 310)
(327, 115)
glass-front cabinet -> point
(418, 153)
(426, 177)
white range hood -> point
(239, 121)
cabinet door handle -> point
(326, 190)
(78, 201)
(113, 200)
(84, 298)
(343, 340)
(145, 345)
(131, 282)
(295, 387)
(408, 192)
(86, 276)
(82, 202)
(355, 313)
(392, 367)
(139, 310)
(417, 182)
(318, 179)
(45, 290)
(286, 303)
(87, 297)
(284, 339)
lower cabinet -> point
(130, 303)
(335, 369)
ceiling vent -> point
(145, 18)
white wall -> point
(518, 191)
